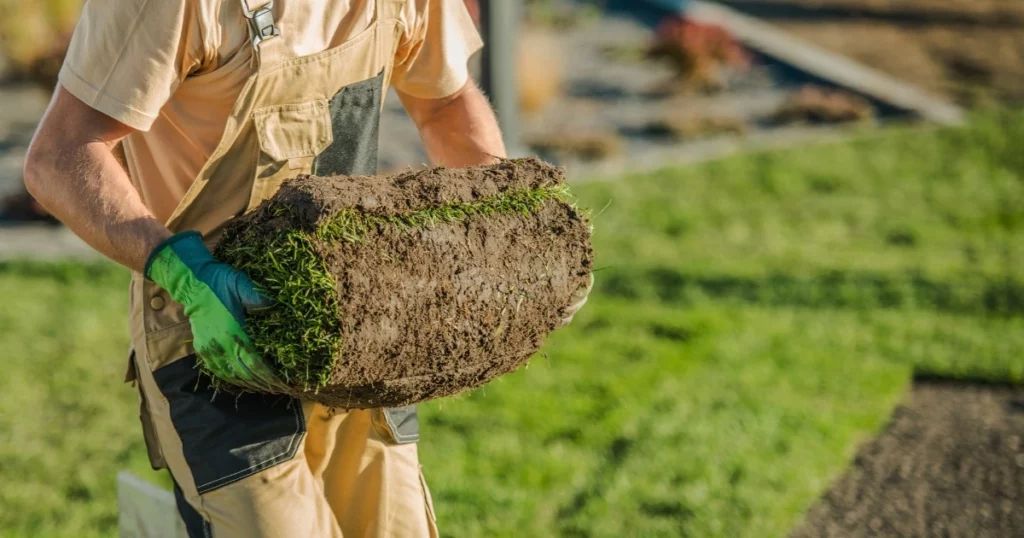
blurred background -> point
(809, 310)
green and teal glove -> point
(216, 297)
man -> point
(171, 118)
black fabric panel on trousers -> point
(355, 120)
(226, 437)
(195, 525)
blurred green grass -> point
(34, 36)
(754, 319)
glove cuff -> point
(182, 244)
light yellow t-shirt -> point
(173, 69)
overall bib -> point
(270, 466)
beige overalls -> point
(260, 466)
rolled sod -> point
(392, 290)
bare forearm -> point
(460, 130)
(79, 181)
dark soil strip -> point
(951, 464)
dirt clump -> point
(816, 104)
(441, 279)
(951, 463)
(701, 53)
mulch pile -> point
(951, 464)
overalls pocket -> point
(227, 437)
(290, 138)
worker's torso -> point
(303, 101)
(164, 161)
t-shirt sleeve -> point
(127, 57)
(432, 58)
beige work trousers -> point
(347, 479)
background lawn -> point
(754, 319)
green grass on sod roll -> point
(302, 333)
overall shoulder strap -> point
(263, 29)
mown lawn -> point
(754, 319)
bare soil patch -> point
(950, 464)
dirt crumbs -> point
(950, 464)
(438, 281)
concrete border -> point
(145, 510)
(838, 69)
(44, 242)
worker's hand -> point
(216, 297)
(578, 300)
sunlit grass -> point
(755, 318)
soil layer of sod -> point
(951, 464)
(394, 290)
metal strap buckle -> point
(261, 23)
